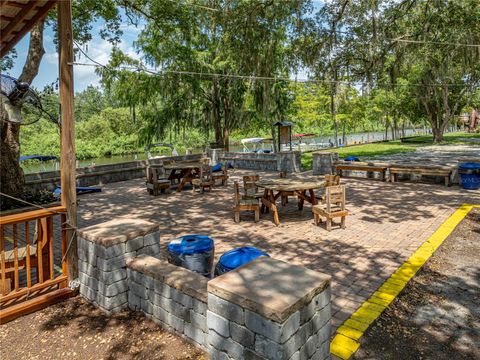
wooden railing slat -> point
(31, 215)
(40, 242)
(2, 260)
(27, 249)
(15, 257)
(50, 245)
(25, 291)
(64, 243)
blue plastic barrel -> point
(237, 257)
(351, 158)
(469, 175)
(193, 252)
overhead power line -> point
(260, 78)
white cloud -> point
(98, 50)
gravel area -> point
(74, 329)
(437, 316)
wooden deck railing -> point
(32, 251)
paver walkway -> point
(387, 223)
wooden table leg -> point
(313, 198)
(276, 220)
(186, 178)
(263, 208)
(301, 200)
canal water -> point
(366, 137)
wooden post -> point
(67, 162)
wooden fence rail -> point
(33, 268)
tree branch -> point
(35, 54)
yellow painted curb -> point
(345, 341)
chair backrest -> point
(335, 195)
(237, 196)
(249, 184)
(205, 172)
(151, 175)
(332, 180)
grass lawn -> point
(450, 138)
(387, 148)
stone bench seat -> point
(445, 172)
(361, 166)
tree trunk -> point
(217, 119)
(386, 128)
(334, 116)
(11, 174)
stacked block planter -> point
(103, 251)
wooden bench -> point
(361, 166)
(430, 171)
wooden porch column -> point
(68, 159)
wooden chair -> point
(334, 207)
(330, 180)
(222, 175)
(250, 188)
(204, 180)
(157, 181)
(242, 204)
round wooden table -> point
(187, 172)
(304, 189)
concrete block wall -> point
(323, 162)
(288, 161)
(266, 309)
(241, 333)
(100, 174)
(269, 309)
(171, 296)
(103, 252)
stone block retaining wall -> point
(103, 251)
(100, 174)
(171, 296)
(288, 161)
(266, 309)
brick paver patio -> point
(387, 223)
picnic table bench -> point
(361, 166)
(442, 171)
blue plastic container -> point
(193, 252)
(351, 158)
(237, 257)
(469, 175)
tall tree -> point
(202, 54)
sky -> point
(98, 49)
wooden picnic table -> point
(187, 171)
(274, 188)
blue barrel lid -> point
(191, 244)
(351, 158)
(240, 256)
(469, 166)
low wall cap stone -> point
(270, 287)
(117, 231)
(184, 280)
